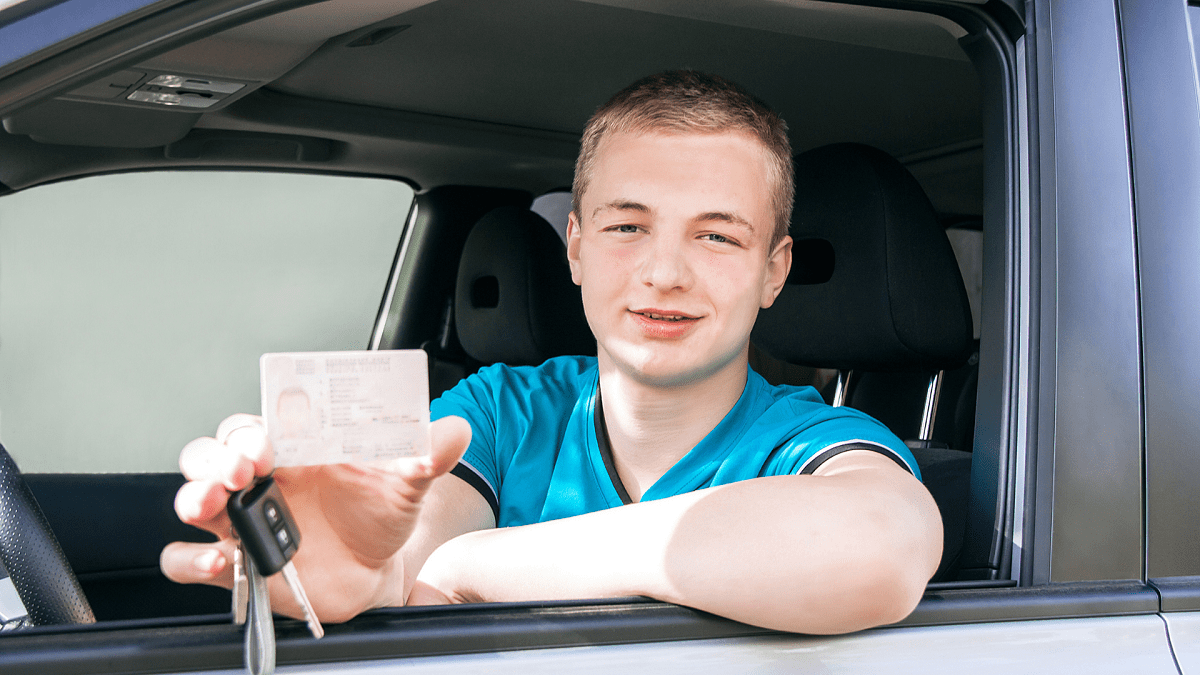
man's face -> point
(673, 252)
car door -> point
(1164, 106)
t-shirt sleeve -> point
(834, 431)
(473, 400)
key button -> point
(271, 511)
(284, 538)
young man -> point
(663, 467)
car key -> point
(270, 538)
(241, 586)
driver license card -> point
(335, 407)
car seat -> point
(514, 299)
(875, 287)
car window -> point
(134, 307)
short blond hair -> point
(687, 101)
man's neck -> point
(650, 428)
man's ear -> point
(573, 240)
(779, 263)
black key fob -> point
(262, 521)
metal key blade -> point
(241, 587)
(293, 581)
(260, 628)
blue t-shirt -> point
(535, 456)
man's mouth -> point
(664, 316)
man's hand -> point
(353, 519)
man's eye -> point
(719, 238)
(626, 229)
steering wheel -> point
(34, 560)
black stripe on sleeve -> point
(481, 486)
(835, 450)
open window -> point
(320, 117)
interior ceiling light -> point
(195, 84)
(184, 91)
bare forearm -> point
(842, 554)
(451, 508)
(801, 553)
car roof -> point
(496, 93)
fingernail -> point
(209, 562)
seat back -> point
(514, 299)
(874, 283)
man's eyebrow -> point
(621, 205)
(724, 217)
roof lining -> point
(267, 48)
(897, 30)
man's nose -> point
(666, 266)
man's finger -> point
(196, 459)
(202, 504)
(234, 422)
(251, 442)
(247, 434)
(205, 459)
(188, 563)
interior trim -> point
(1054, 601)
(213, 642)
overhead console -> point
(157, 102)
(157, 90)
(135, 108)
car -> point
(187, 185)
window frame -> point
(1020, 208)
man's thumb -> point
(448, 440)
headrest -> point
(874, 282)
(514, 301)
